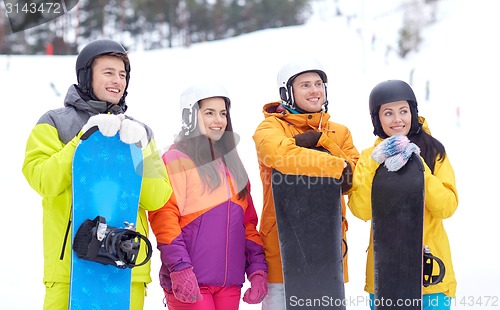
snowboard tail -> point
(106, 183)
(397, 227)
(309, 219)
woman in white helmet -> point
(288, 139)
(206, 232)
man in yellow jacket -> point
(393, 107)
(284, 141)
(103, 72)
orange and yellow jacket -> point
(441, 201)
(213, 231)
(276, 148)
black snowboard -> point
(397, 223)
(309, 219)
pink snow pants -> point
(214, 298)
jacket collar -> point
(316, 121)
(93, 107)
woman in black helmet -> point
(103, 72)
(400, 130)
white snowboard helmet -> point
(194, 94)
(291, 70)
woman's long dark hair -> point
(431, 149)
(204, 153)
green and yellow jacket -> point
(48, 169)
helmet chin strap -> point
(325, 105)
(189, 120)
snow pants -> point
(57, 296)
(214, 298)
(275, 298)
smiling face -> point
(395, 118)
(213, 117)
(108, 78)
(309, 92)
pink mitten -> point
(258, 287)
(185, 286)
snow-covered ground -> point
(454, 74)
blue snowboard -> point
(105, 183)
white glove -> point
(108, 124)
(132, 132)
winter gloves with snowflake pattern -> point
(394, 152)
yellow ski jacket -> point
(441, 201)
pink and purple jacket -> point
(212, 231)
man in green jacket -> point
(98, 99)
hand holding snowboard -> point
(394, 152)
(131, 132)
(108, 124)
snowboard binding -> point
(428, 277)
(108, 245)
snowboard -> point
(397, 227)
(106, 182)
(309, 219)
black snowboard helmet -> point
(86, 58)
(390, 91)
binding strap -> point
(428, 277)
